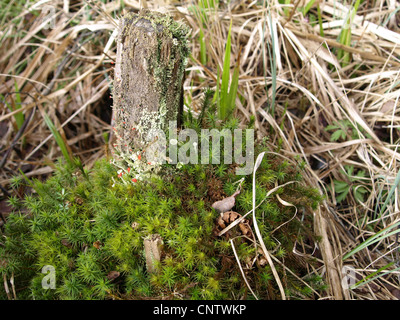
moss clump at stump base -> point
(91, 228)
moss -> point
(91, 227)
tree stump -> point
(152, 51)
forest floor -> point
(321, 79)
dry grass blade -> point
(241, 269)
(258, 233)
(341, 117)
(76, 59)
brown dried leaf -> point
(245, 228)
(224, 205)
(388, 106)
(263, 262)
(221, 223)
(97, 244)
(396, 293)
(233, 216)
(113, 275)
(225, 216)
(65, 242)
(229, 217)
(153, 246)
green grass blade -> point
(390, 194)
(19, 117)
(286, 9)
(375, 238)
(390, 17)
(345, 35)
(233, 91)
(203, 51)
(373, 276)
(217, 94)
(27, 180)
(321, 29)
(308, 7)
(59, 139)
(225, 77)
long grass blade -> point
(373, 239)
(391, 192)
(19, 117)
(60, 141)
(223, 109)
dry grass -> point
(290, 79)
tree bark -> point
(153, 251)
(152, 51)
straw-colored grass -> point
(290, 79)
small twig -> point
(6, 194)
(291, 13)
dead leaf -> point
(245, 228)
(113, 275)
(225, 204)
(97, 244)
(226, 215)
(221, 223)
(230, 216)
(396, 293)
(233, 216)
(65, 242)
(263, 262)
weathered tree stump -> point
(151, 57)
(152, 51)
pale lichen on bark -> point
(152, 51)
